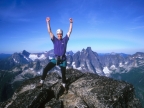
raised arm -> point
(49, 28)
(70, 27)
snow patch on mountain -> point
(99, 72)
(15, 60)
(51, 57)
(42, 57)
(140, 57)
(79, 68)
(35, 56)
(68, 62)
(73, 65)
(39, 73)
(121, 65)
(26, 58)
(106, 71)
(113, 67)
(31, 68)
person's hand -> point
(71, 20)
(47, 19)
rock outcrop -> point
(85, 90)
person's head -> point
(59, 33)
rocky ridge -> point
(86, 90)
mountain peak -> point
(89, 48)
(26, 53)
(83, 50)
(89, 90)
(70, 53)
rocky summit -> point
(85, 90)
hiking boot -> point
(39, 85)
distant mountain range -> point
(85, 60)
(25, 65)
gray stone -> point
(85, 91)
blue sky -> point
(104, 25)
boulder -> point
(85, 90)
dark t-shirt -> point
(60, 45)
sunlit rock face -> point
(85, 90)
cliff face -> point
(86, 90)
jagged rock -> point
(85, 91)
(53, 103)
(25, 53)
(71, 100)
(87, 60)
(19, 58)
(37, 66)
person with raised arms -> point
(60, 45)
